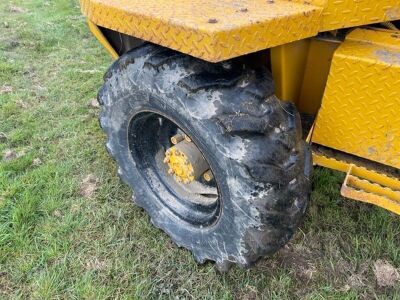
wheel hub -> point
(185, 161)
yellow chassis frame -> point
(102, 39)
(364, 185)
(361, 184)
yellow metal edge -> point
(374, 188)
(376, 36)
(300, 70)
(315, 74)
(362, 184)
(288, 62)
(210, 39)
(168, 28)
(359, 112)
(102, 39)
(351, 13)
(372, 193)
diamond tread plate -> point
(213, 30)
(217, 30)
(350, 13)
(361, 105)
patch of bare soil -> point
(7, 287)
(386, 274)
(6, 89)
(57, 213)
(319, 258)
(96, 264)
(17, 9)
(248, 293)
(299, 259)
(89, 186)
(22, 104)
(94, 103)
(37, 162)
(358, 280)
(9, 155)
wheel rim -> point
(149, 137)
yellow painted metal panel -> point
(213, 30)
(102, 40)
(371, 188)
(300, 71)
(350, 13)
(365, 191)
(288, 62)
(360, 109)
(316, 74)
(364, 185)
(216, 30)
(339, 14)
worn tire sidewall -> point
(227, 231)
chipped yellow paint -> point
(179, 165)
(364, 185)
(360, 109)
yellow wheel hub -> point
(184, 159)
(179, 165)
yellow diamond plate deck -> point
(361, 105)
(350, 13)
(216, 30)
(213, 30)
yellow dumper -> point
(216, 110)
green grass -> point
(55, 243)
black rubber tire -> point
(252, 140)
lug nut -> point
(177, 138)
(188, 139)
(208, 176)
(170, 171)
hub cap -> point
(185, 162)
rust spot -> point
(244, 10)
(271, 1)
(212, 21)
